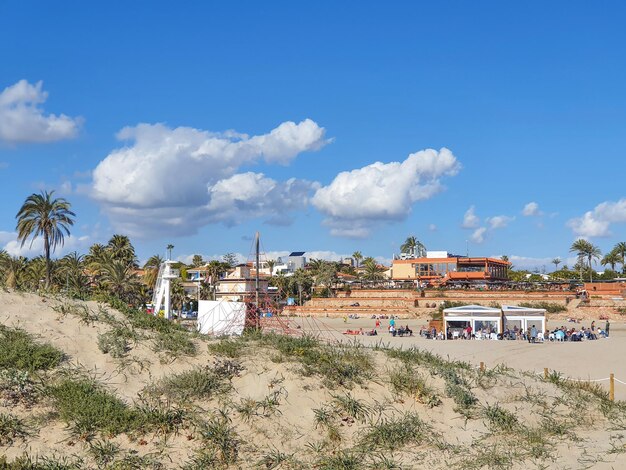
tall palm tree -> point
(586, 250)
(41, 215)
(621, 249)
(122, 249)
(556, 261)
(357, 256)
(611, 258)
(170, 247)
(413, 247)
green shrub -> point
(405, 380)
(219, 435)
(88, 408)
(174, 342)
(18, 350)
(12, 428)
(336, 364)
(227, 347)
(199, 382)
(396, 432)
(114, 342)
(550, 307)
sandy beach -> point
(587, 360)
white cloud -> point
(254, 195)
(597, 223)
(499, 221)
(531, 209)
(382, 191)
(13, 246)
(479, 235)
(470, 219)
(432, 227)
(532, 264)
(176, 180)
(23, 120)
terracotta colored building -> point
(441, 268)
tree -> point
(72, 268)
(197, 261)
(413, 247)
(151, 270)
(270, 264)
(586, 250)
(120, 248)
(120, 280)
(556, 261)
(230, 259)
(621, 249)
(43, 216)
(611, 258)
(13, 270)
(372, 272)
(170, 247)
(357, 256)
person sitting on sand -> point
(408, 331)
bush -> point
(88, 408)
(11, 428)
(16, 386)
(176, 343)
(337, 364)
(114, 342)
(18, 350)
(200, 382)
(550, 307)
(397, 432)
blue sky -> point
(198, 123)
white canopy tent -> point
(524, 317)
(477, 316)
(221, 318)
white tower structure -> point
(161, 295)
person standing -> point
(606, 327)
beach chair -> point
(540, 337)
(455, 335)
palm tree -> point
(41, 215)
(13, 270)
(621, 249)
(586, 250)
(413, 247)
(170, 247)
(270, 264)
(36, 272)
(120, 280)
(373, 272)
(122, 249)
(556, 261)
(357, 256)
(152, 270)
(611, 258)
(72, 267)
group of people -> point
(396, 331)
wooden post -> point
(612, 387)
(482, 366)
(545, 372)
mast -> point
(256, 280)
